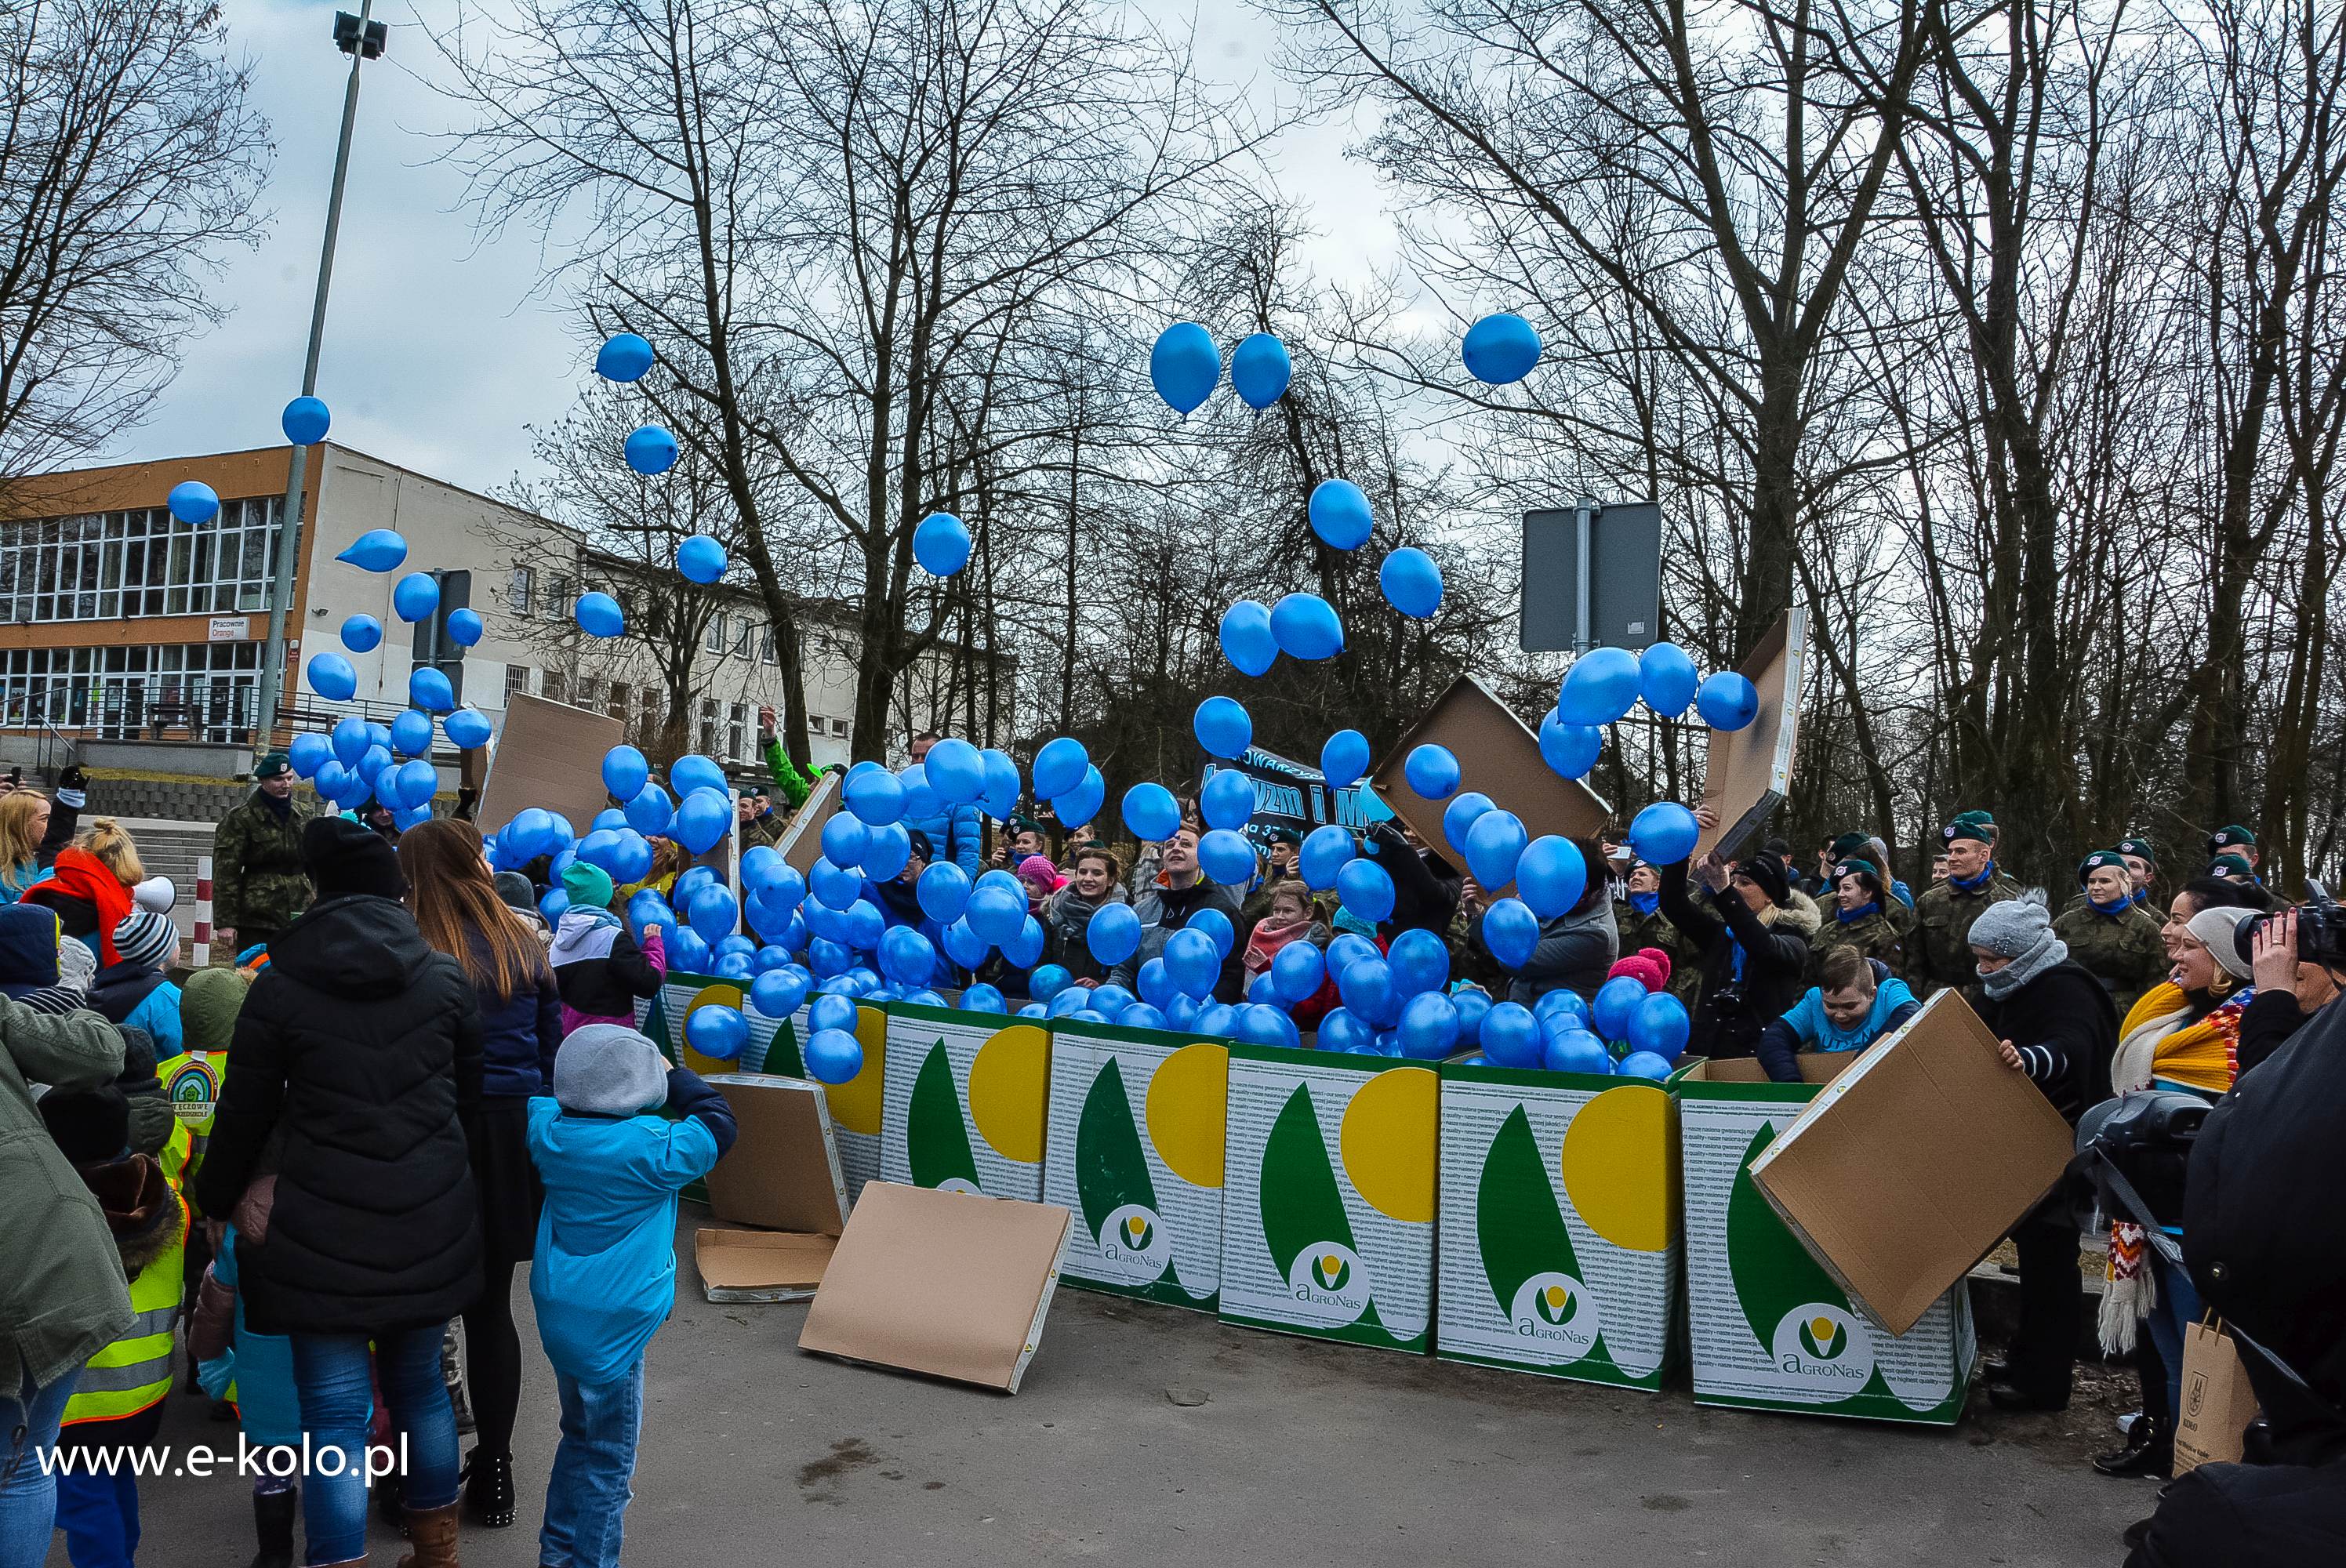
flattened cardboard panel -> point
(1749, 769)
(945, 1283)
(782, 1171)
(964, 1101)
(550, 755)
(1497, 755)
(761, 1265)
(1767, 1326)
(1135, 1151)
(802, 842)
(1559, 1238)
(1913, 1163)
(1329, 1196)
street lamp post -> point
(361, 38)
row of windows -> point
(203, 691)
(107, 566)
(530, 593)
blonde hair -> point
(109, 840)
(17, 842)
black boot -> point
(272, 1523)
(489, 1489)
(2149, 1451)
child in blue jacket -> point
(604, 1273)
(1857, 1003)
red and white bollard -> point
(201, 954)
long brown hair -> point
(451, 894)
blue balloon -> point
(1659, 1026)
(1001, 797)
(1078, 806)
(1297, 971)
(983, 998)
(308, 752)
(1222, 728)
(1033, 1010)
(428, 689)
(1551, 875)
(1664, 833)
(1575, 1051)
(1217, 1018)
(955, 771)
(1339, 1030)
(1069, 999)
(650, 811)
(1325, 851)
(1511, 1036)
(598, 615)
(599, 847)
(1615, 1004)
(1247, 640)
(1501, 348)
(1561, 1009)
(1059, 767)
(467, 728)
(465, 627)
(1181, 1012)
(305, 421)
(1411, 583)
(633, 861)
(703, 818)
(1458, 817)
(1667, 678)
(906, 957)
(1228, 798)
(410, 733)
(1151, 813)
(1048, 981)
(1305, 626)
(844, 839)
(1365, 889)
(827, 958)
(1340, 514)
(531, 832)
(865, 925)
(1600, 687)
(407, 819)
(1226, 858)
(995, 915)
(1191, 962)
(624, 772)
(1184, 366)
(1217, 927)
(331, 676)
(873, 796)
(1369, 993)
(687, 952)
(1727, 700)
(554, 903)
(361, 634)
(1140, 1015)
(701, 559)
(1494, 845)
(1569, 748)
(779, 992)
(1431, 771)
(375, 759)
(350, 740)
(1420, 961)
(413, 785)
(376, 549)
(1343, 758)
(940, 545)
(1645, 1064)
(1510, 932)
(887, 850)
(1474, 1005)
(693, 772)
(1026, 946)
(193, 501)
(1261, 1024)
(716, 1032)
(833, 1057)
(416, 596)
(624, 357)
(689, 882)
(830, 1012)
(963, 946)
(943, 892)
(1428, 1026)
(1113, 934)
(1260, 370)
(649, 450)
(1156, 987)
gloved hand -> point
(73, 786)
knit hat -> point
(2140, 849)
(588, 885)
(89, 1126)
(610, 1070)
(2009, 927)
(2231, 866)
(2234, 837)
(1649, 966)
(146, 937)
(208, 1003)
(271, 764)
(77, 965)
(2099, 859)
(1038, 872)
(1769, 872)
(343, 858)
(923, 846)
(2220, 929)
(1963, 828)
(513, 890)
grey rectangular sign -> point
(1622, 605)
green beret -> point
(2232, 838)
(271, 764)
(2231, 866)
(1966, 825)
(2099, 858)
(1860, 867)
(2140, 849)
(1848, 844)
(1976, 818)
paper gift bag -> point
(2218, 1403)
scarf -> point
(2049, 950)
(2160, 1042)
(2113, 911)
(2141, 896)
(1851, 917)
(80, 877)
(1646, 904)
(1973, 884)
(1268, 939)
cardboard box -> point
(1748, 769)
(549, 755)
(801, 842)
(1328, 1193)
(964, 1101)
(761, 1265)
(1497, 755)
(782, 1171)
(1915, 1162)
(1559, 1234)
(945, 1283)
(2217, 1402)
(1768, 1327)
(1135, 1150)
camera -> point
(2320, 930)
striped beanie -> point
(145, 937)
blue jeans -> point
(587, 1493)
(2179, 1308)
(330, 1373)
(29, 1415)
(99, 1514)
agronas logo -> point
(1821, 1343)
(1556, 1313)
(1328, 1283)
(1134, 1246)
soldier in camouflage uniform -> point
(1860, 917)
(2113, 938)
(259, 887)
(1642, 923)
(2142, 865)
(1940, 952)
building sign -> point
(232, 630)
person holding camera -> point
(2295, 961)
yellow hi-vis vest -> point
(135, 1371)
(191, 1082)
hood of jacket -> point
(354, 946)
(28, 947)
(141, 1208)
(1798, 912)
(583, 933)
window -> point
(618, 706)
(555, 686)
(516, 682)
(520, 590)
(708, 726)
(766, 647)
(741, 636)
(717, 634)
(651, 715)
(107, 566)
(590, 692)
(557, 594)
(203, 691)
(737, 738)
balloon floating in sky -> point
(465, 626)
(1600, 687)
(1059, 767)
(624, 357)
(1667, 679)
(1343, 758)
(1569, 748)
(1152, 813)
(1500, 349)
(598, 615)
(1727, 700)
(361, 634)
(307, 751)
(416, 596)
(466, 729)
(1664, 833)
(940, 545)
(1340, 514)
(1184, 366)
(193, 501)
(331, 676)
(410, 733)
(650, 449)
(1247, 639)
(1412, 582)
(1223, 728)
(1551, 875)
(1260, 370)
(1305, 626)
(624, 772)
(305, 421)
(1431, 771)
(376, 549)
(428, 689)
(700, 558)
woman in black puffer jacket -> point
(354, 1064)
(1750, 932)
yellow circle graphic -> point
(708, 996)
(1010, 1090)
(1617, 1165)
(1188, 1099)
(855, 1105)
(1389, 1139)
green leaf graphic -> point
(936, 1139)
(1110, 1168)
(1517, 1222)
(1301, 1204)
(1773, 1272)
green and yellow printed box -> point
(963, 1100)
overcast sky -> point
(438, 352)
